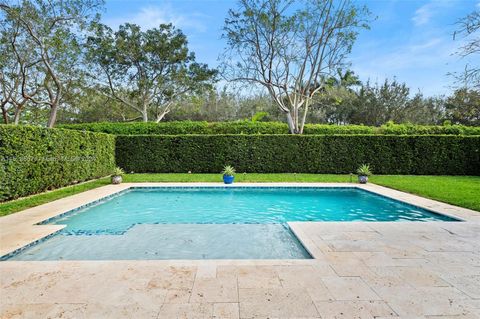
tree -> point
(48, 40)
(468, 28)
(463, 107)
(18, 74)
(290, 50)
(146, 70)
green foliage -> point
(35, 159)
(157, 63)
(364, 170)
(463, 107)
(117, 171)
(228, 170)
(248, 127)
(389, 154)
(259, 116)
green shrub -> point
(249, 127)
(387, 154)
(35, 159)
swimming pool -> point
(210, 222)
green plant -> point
(117, 171)
(258, 127)
(36, 159)
(332, 154)
(228, 170)
(364, 170)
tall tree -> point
(146, 70)
(50, 41)
(463, 107)
(290, 48)
(18, 73)
(468, 30)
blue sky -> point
(410, 39)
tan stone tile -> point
(343, 258)
(347, 270)
(38, 310)
(214, 290)
(384, 277)
(173, 278)
(100, 310)
(186, 311)
(420, 277)
(353, 309)
(226, 310)
(469, 284)
(349, 288)
(425, 301)
(258, 277)
(276, 302)
(206, 271)
(303, 276)
(178, 296)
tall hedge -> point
(388, 154)
(248, 127)
(35, 159)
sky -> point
(410, 40)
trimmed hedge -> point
(388, 154)
(35, 159)
(247, 127)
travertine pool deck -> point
(360, 270)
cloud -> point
(425, 13)
(423, 63)
(152, 16)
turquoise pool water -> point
(212, 223)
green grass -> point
(17, 205)
(457, 190)
(239, 178)
(462, 191)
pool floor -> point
(174, 241)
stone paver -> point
(361, 270)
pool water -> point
(210, 223)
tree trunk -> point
(144, 112)
(4, 114)
(53, 116)
(291, 124)
(16, 117)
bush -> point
(248, 127)
(387, 154)
(35, 159)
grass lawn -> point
(457, 190)
(42, 198)
(462, 191)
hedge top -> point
(248, 127)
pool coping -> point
(23, 229)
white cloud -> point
(425, 13)
(152, 16)
(423, 64)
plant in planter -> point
(363, 172)
(228, 174)
(117, 175)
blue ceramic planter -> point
(228, 179)
(362, 179)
